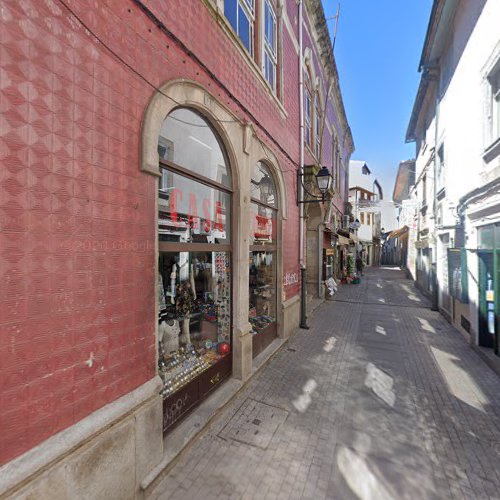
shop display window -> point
(262, 259)
(262, 312)
(194, 268)
(328, 263)
(195, 314)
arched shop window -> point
(194, 278)
(263, 271)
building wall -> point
(78, 215)
(469, 42)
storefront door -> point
(489, 274)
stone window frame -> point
(243, 148)
(494, 101)
(491, 101)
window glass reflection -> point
(262, 186)
(188, 140)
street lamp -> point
(323, 180)
(323, 183)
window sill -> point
(233, 36)
(492, 151)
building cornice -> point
(441, 15)
(316, 15)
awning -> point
(342, 240)
(398, 232)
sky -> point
(377, 51)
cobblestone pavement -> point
(381, 398)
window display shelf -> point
(181, 368)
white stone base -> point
(104, 456)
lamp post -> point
(323, 183)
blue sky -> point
(377, 51)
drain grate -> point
(255, 423)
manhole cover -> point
(254, 423)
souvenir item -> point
(223, 348)
(184, 305)
(168, 333)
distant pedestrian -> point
(359, 265)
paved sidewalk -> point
(381, 398)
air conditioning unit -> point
(345, 222)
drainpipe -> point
(300, 187)
(320, 260)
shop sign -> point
(329, 251)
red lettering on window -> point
(219, 221)
(174, 216)
(207, 224)
(193, 212)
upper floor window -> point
(258, 26)
(241, 15)
(308, 110)
(337, 153)
(494, 80)
(270, 59)
(317, 127)
(334, 161)
(441, 164)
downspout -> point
(300, 186)
(320, 260)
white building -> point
(455, 124)
(365, 195)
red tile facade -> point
(77, 230)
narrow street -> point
(381, 398)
